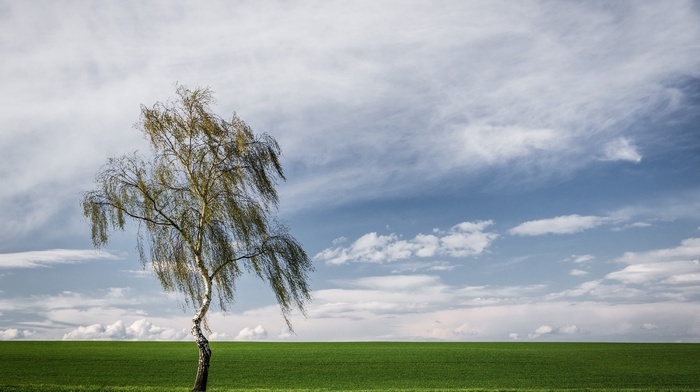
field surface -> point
(150, 366)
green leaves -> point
(204, 200)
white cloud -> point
(500, 144)
(284, 333)
(389, 296)
(569, 321)
(503, 83)
(462, 240)
(395, 282)
(51, 315)
(218, 336)
(375, 103)
(566, 224)
(416, 266)
(568, 329)
(139, 330)
(34, 259)
(545, 329)
(621, 149)
(449, 333)
(549, 330)
(582, 258)
(635, 225)
(247, 333)
(15, 334)
(689, 249)
(681, 204)
(670, 272)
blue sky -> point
(459, 171)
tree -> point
(204, 202)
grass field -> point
(150, 366)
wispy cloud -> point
(424, 307)
(621, 149)
(566, 224)
(669, 274)
(672, 272)
(578, 272)
(374, 102)
(581, 259)
(689, 249)
(462, 240)
(46, 258)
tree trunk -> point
(200, 382)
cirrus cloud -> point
(45, 258)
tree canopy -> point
(204, 201)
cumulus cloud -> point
(15, 334)
(247, 333)
(45, 258)
(462, 240)
(549, 330)
(545, 329)
(284, 333)
(218, 336)
(566, 224)
(621, 149)
(138, 330)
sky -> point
(457, 170)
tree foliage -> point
(204, 202)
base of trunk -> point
(200, 382)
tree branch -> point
(259, 251)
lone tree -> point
(204, 201)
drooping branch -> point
(206, 197)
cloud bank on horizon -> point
(475, 171)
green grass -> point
(156, 367)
